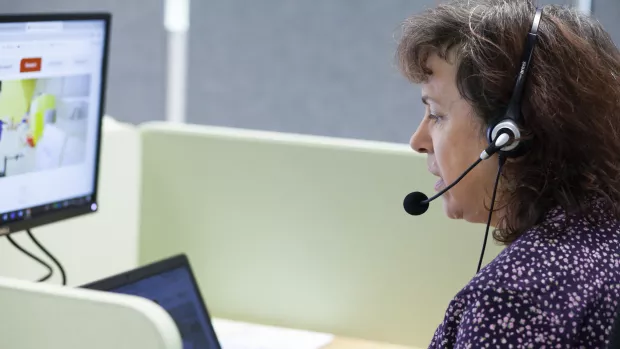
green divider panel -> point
(305, 232)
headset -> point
(503, 134)
(512, 121)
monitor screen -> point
(174, 291)
(52, 74)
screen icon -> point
(29, 65)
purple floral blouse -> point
(557, 286)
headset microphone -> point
(416, 203)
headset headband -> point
(514, 107)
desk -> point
(242, 334)
(351, 343)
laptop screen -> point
(174, 291)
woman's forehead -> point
(441, 84)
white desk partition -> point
(43, 316)
(305, 232)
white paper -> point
(240, 335)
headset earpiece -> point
(515, 148)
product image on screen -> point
(43, 123)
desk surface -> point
(235, 332)
(352, 343)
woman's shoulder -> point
(563, 260)
(551, 285)
(562, 252)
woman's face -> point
(453, 138)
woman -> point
(557, 282)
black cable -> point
(50, 271)
(471, 167)
(502, 160)
(36, 242)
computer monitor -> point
(52, 95)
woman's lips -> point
(439, 184)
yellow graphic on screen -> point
(15, 100)
(18, 105)
(41, 107)
(43, 123)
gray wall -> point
(608, 13)
(307, 66)
(320, 67)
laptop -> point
(171, 284)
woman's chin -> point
(455, 211)
(451, 208)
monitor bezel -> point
(87, 207)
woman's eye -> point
(434, 117)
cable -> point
(502, 160)
(36, 242)
(501, 141)
(471, 167)
(50, 271)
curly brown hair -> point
(571, 102)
